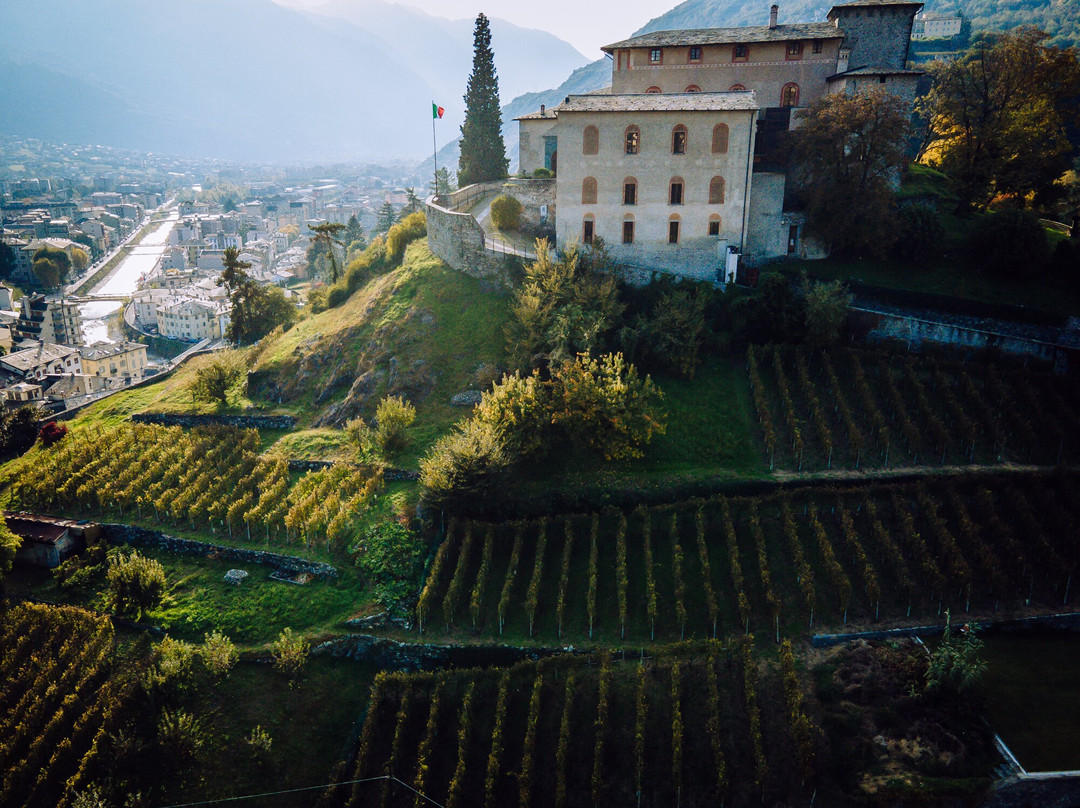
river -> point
(125, 280)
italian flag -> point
(436, 110)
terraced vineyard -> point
(701, 725)
(858, 409)
(209, 477)
(60, 698)
(776, 565)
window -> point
(675, 195)
(716, 191)
(693, 88)
(736, 88)
(587, 231)
(678, 140)
(740, 53)
(794, 50)
(655, 56)
(695, 54)
(590, 143)
(653, 89)
(633, 140)
(714, 225)
(881, 79)
(817, 46)
(629, 191)
(628, 231)
(588, 191)
(789, 96)
(673, 231)
(719, 138)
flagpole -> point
(434, 151)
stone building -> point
(643, 164)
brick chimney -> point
(773, 11)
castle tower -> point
(878, 32)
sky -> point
(585, 24)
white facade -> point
(190, 320)
(669, 206)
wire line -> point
(305, 788)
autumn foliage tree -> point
(1000, 115)
(849, 151)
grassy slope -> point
(466, 332)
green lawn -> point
(198, 600)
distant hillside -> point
(1059, 18)
(243, 79)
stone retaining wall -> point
(414, 656)
(189, 421)
(144, 537)
(1069, 621)
(458, 239)
(393, 475)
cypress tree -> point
(483, 154)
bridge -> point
(95, 298)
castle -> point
(677, 165)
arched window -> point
(720, 138)
(653, 89)
(590, 143)
(588, 191)
(678, 140)
(789, 96)
(673, 229)
(693, 88)
(675, 191)
(588, 229)
(714, 224)
(632, 140)
(629, 191)
(628, 230)
(736, 88)
(716, 191)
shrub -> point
(408, 229)
(218, 653)
(827, 305)
(136, 583)
(506, 213)
(920, 235)
(676, 330)
(1010, 243)
(52, 433)
(518, 409)
(392, 558)
(290, 652)
(465, 468)
(394, 415)
(9, 545)
(543, 173)
(362, 436)
(604, 405)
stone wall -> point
(1046, 344)
(422, 656)
(189, 421)
(532, 194)
(458, 240)
(1049, 790)
(143, 537)
(393, 475)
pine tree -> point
(385, 217)
(483, 154)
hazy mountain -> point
(243, 79)
(441, 50)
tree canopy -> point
(849, 151)
(1001, 115)
(51, 266)
(254, 310)
(483, 153)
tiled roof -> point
(857, 3)
(873, 71)
(723, 36)
(30, 358)
(661, 102)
